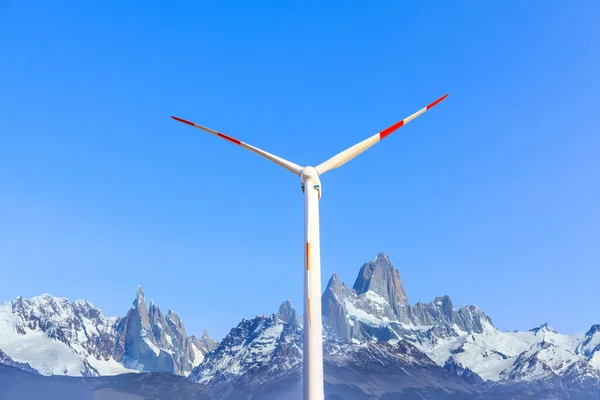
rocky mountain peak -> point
(444, 303)
(334, 284)
(140, 294)
(456, 368)
(542, 329)
(593, 330)
(442, 311)
(174, 318)
(287, 313)
(263, 347)
(380, 277)
(152, 341)
(53, 323)
(205, 343)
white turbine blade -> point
(342, 158)
(290, 166)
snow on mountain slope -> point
(496, 355)
(254, 345)
(588, 346)
(55, 337)
(543, 361)
(487, 353)
(536, 355)
(6, 360)
(264, 355)
(56, 342)
(466, 337)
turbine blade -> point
(342, 158)
(290, 166)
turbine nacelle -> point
(311, 175)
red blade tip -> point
(437, 101)
(182, 120)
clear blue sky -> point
(492, 197)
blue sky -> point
(491, 197)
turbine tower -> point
(311, 186)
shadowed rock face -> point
(261, 358)
(144, 339)
(457, 369)
(288, 313)
(205, 344)
(441, 310)
(377, 306)
(379, 276)
(150, 341)
(334, 314)
(6, 360)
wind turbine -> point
(311, 186)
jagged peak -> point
(380, 277)
(595, 328)
(209, 343)
(442, 301)
(85, 306)
(287, 313)
(173, 317)
(49, 297)
(543, 328)
(334, 284)
(286, 306)
(140, 301)
(378, 273)
(471, 308)
(382, 258)
(83, 302)
(287, 303)
(154, 311)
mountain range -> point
(376, 346)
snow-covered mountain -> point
(466, 337)
(375, 321)
(262, 358)
(52, 336)
(376, 344)
(149, 341)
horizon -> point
(151, 301)
(490, 197)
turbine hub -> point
(311, 174)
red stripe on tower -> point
(232, 140)
(437, 101)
